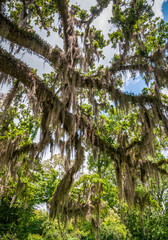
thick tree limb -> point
(67, 21)
(21, 72)
(31, 41)
(70, 38)
(65, 184)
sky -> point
(165, 10)
(161, 8)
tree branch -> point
(70, 38)
(31, 41)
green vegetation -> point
(27, 217)
(106, 178)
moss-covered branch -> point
(49, 101)
(29, 40)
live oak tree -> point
(80, 107)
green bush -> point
(112, 228)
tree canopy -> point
(80, 106)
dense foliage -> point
(27, 217)
(80, 113)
